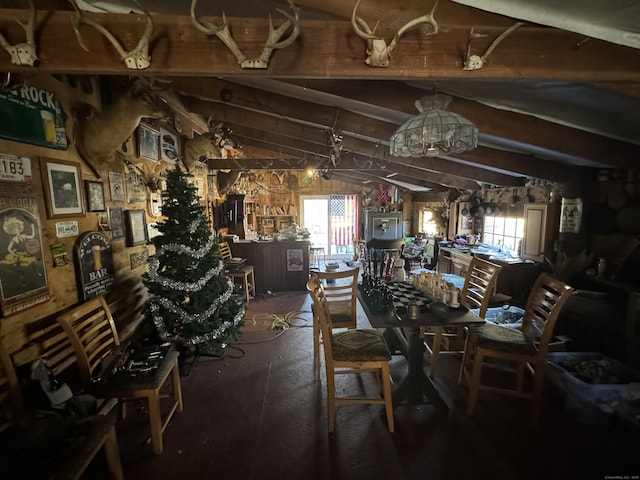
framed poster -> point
(62, 188)
(135, 222)
(148, 142)
(95, 196)
(136, 184)
(23, 278)
(295, 262)
(116, 186)
(116, 222)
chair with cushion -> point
(352, 351)
(477, 291)
(341, 290)
(241, 271)
(515, 350)
(50, 447)
(95, 341)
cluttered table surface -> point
(402, 332)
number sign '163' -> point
(15, 169)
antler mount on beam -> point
(273, 42)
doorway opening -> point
(332, 221)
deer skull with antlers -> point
(476, 62)
(273, 40)
(136, 59)
(23, 53)
(378, 52)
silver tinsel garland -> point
(157, 303)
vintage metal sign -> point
(32, 115)
(93, 259)
(23, 278)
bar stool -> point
(316, 252)
(243, 271)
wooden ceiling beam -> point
(520, 128)
(325, 49)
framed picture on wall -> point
(116, 222)
(148, 142)
(135, 222)
(95, 196)
(116, 186)
(63, 190)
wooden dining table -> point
(403, 334)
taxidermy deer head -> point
(24, 53)
(273, 40)
(475, 62)
(136, 59)
(378, 52)
(99, 134)
(204, 146)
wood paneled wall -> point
(29, 333)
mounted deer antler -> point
(378, 52)
(136, 59)
(476, 62)
(273, 40)
(24, 53)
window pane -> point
(510, 226)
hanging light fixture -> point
(434, 131)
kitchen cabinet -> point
(541, 224)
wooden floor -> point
(260, 413)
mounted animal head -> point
(98, 135)
(476, 62)
(24, 53)
(378, 52)
(204, 146)
(136, 59)
(273, 40)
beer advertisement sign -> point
(94, 265)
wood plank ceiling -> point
(548, 103)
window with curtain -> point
(343, 222)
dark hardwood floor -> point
(259, 413)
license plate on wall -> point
(15, 169)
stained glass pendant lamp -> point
(434, 131)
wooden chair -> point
(516, 350)
(381, 253)
(244, 272)
(341, 290)
(40, 448)
(476, 293)
(94, 338)
(351, 351)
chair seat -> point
(502, 339)
(242, 270)
(123, 382)
(54, 447)
(363, 345)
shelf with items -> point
(270, 224)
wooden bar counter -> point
(279, 266)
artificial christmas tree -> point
(192, 302)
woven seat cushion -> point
(500, 338)
(363, 344)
